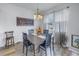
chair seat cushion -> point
(27, 43)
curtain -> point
(61, 18)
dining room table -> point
(36, 40)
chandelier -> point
(38, 15)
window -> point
(49, 21)
(57, 20)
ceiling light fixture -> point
(38, 15)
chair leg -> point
(53, 45)
(13, 41)
(50, 50)
(38, 49)
(26, 50)
(40, 52)
(23, 48)
(8, 43)
(45, 52)
(34, 49)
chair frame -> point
(46, 46)
(9, 38)
(27, 45)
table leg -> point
(34, 49)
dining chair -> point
(46, 43)
(9, 39)
(45, 32)
(26, 43)
(30, 31)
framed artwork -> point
(20, 21)
(75, 41)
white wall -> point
(73, 23)
(8, 14)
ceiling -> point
(34, 6)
